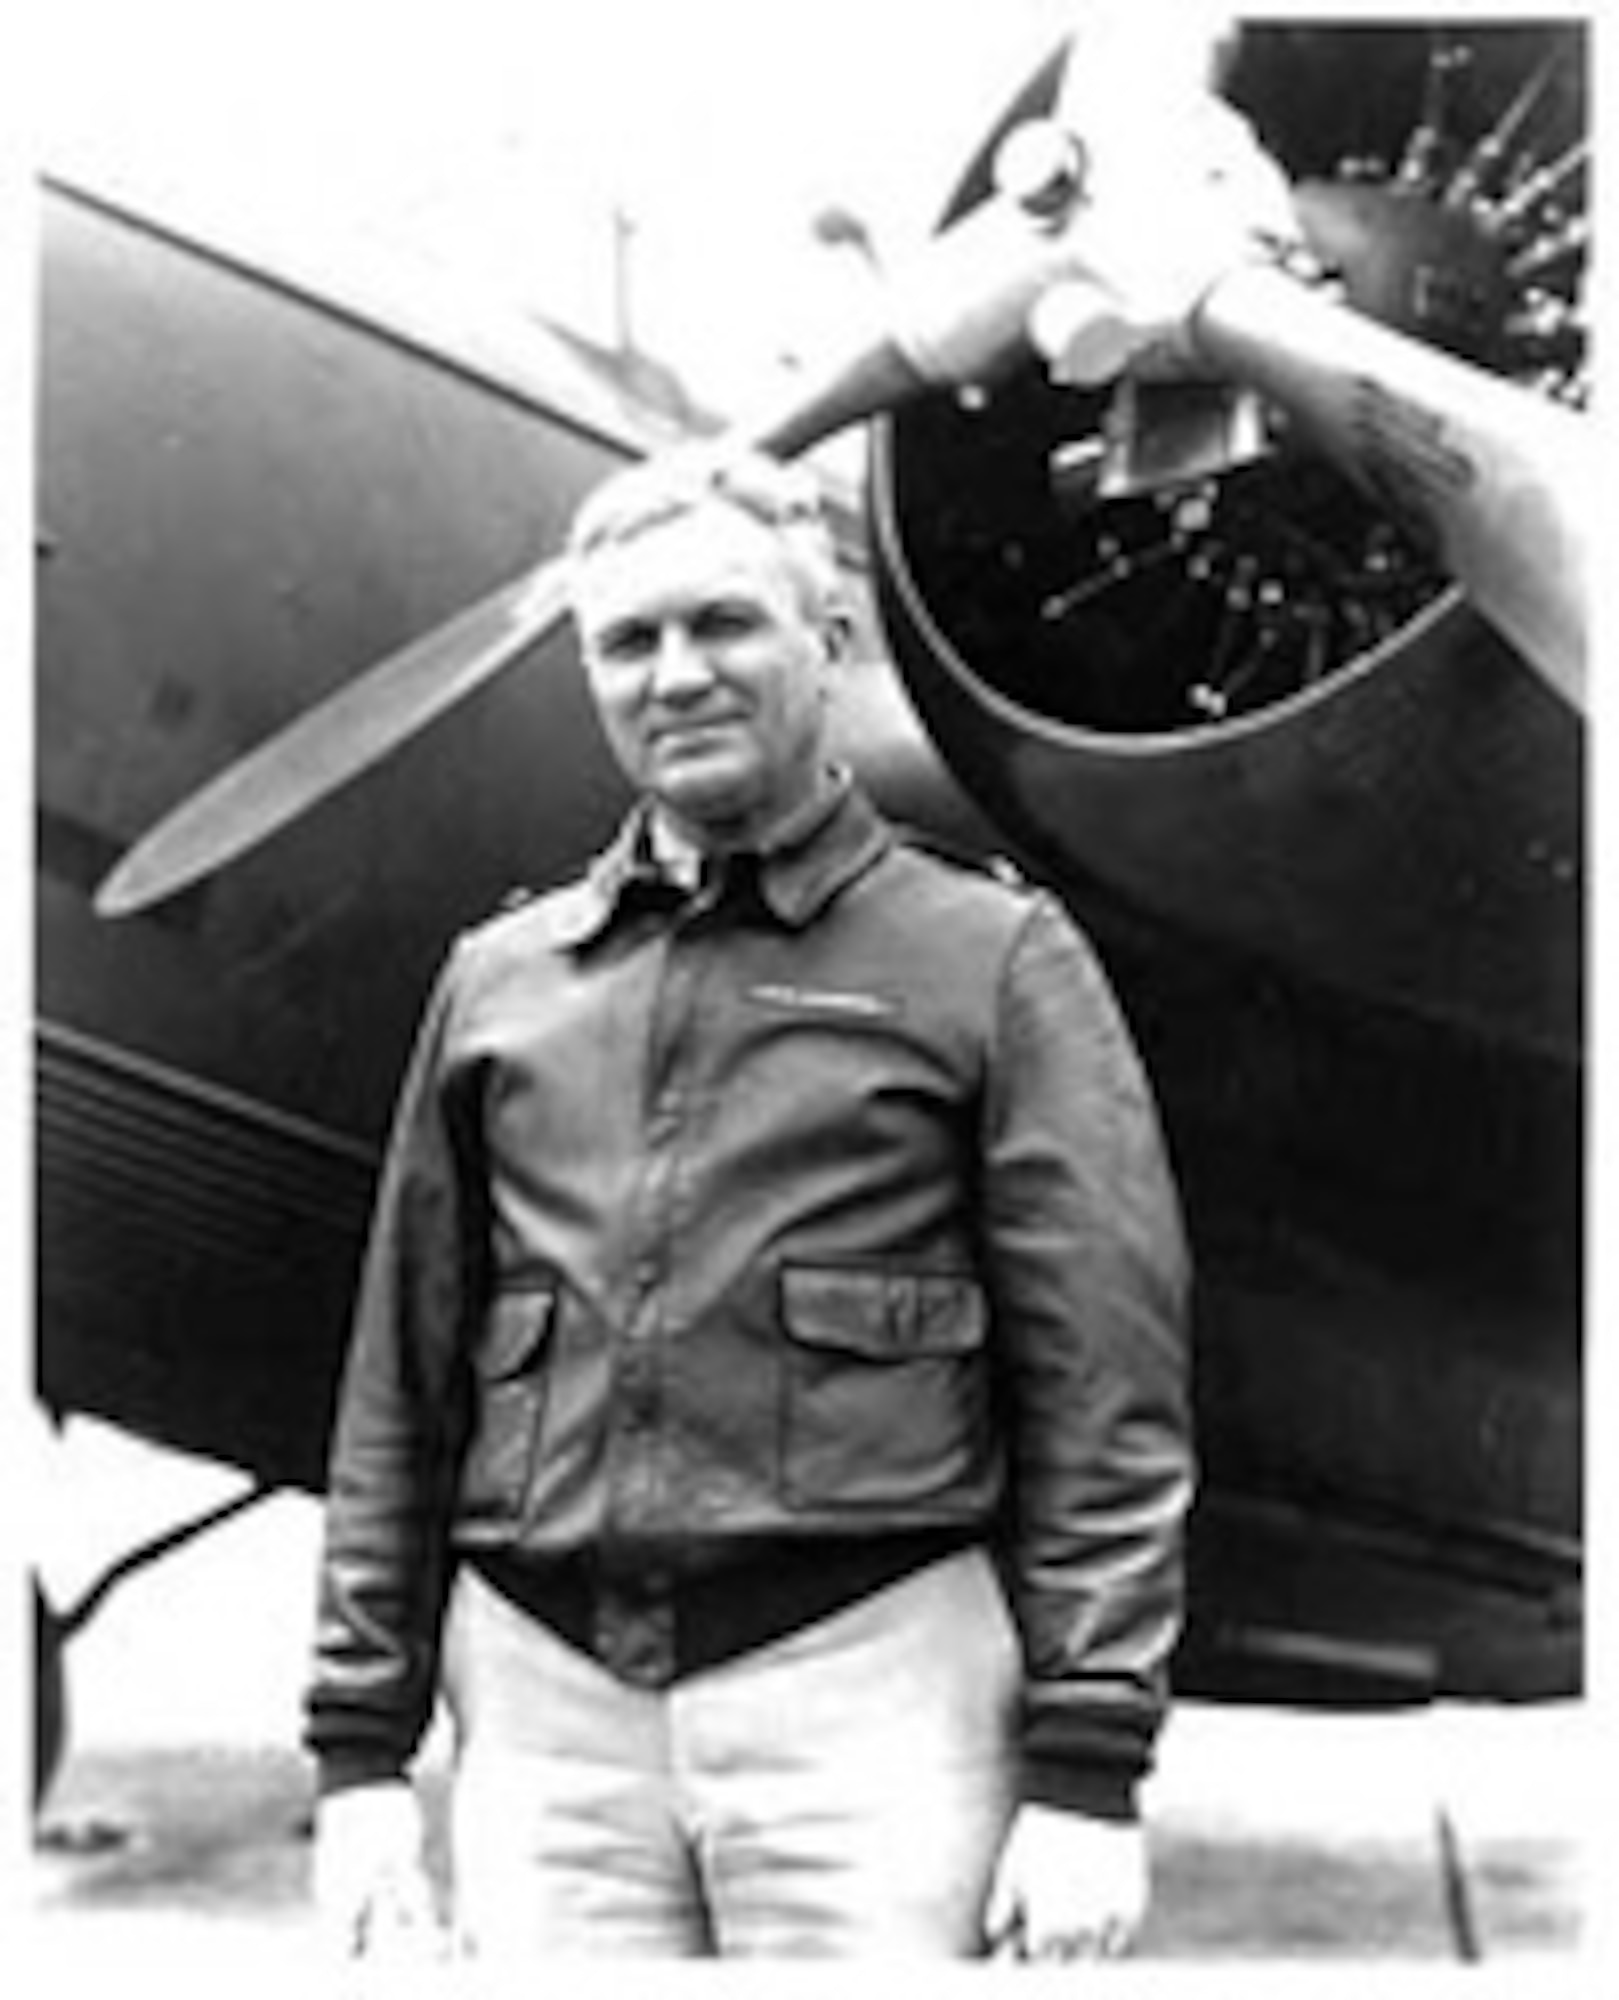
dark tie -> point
(729, 882)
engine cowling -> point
(1224, 687)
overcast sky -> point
(501, 135)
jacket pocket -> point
(510, 1372)
(886, 1396)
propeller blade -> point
(335, 742)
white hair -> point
(783, 498)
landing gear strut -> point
(53, 1629)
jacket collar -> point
(799, 875)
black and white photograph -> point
(809, 1150)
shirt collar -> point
(835, 838)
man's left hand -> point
(1067, 1887)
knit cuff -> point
(347, 1770)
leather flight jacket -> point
(824, 1206)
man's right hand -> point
(372, 1895)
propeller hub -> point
(1042, 167)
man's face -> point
(709, 668)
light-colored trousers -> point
(841, 1792)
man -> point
(766, 1416)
